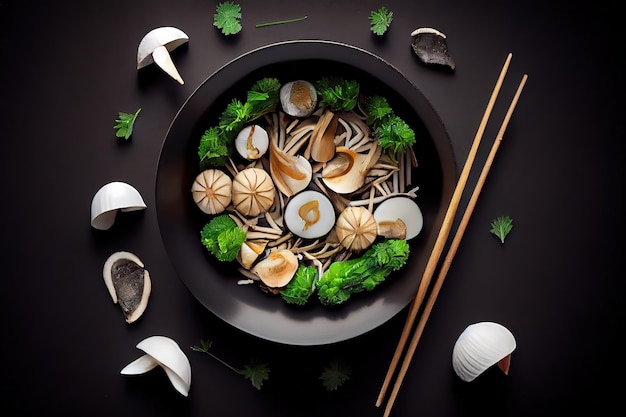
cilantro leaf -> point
(335, 374)
(213, 149)
(222, 237)
(501, 227)
(124, 124)
(226, 18)
(380, 20)
(301, 286)
(257, 373)
(337, 93)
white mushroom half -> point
(479, 347)
(309, 214)
(155, 47)
(252, 142)
(277, 269)
(397, 212)
(164, 352)
(111, 198)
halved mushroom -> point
(395, 210)
(298, 98)
(250, 251)
(156, 46)
(212, 191)
(309, 214)
(346, 172)
(128, 283)
(277, 269)
(253, 192)
(356, 228)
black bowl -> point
(214, 284)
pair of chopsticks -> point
(441, 241)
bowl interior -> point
(214, 284)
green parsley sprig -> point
(380, 20)
(337, 93)
(222, 237)
(501, 227)
(256, 372)
(335, 374)
(394, 134)
(226, 18)
(124, 124)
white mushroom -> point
(250, 251)
(252, 142)
(156, 46)
(253, 192)
(291, 173)
(346, 172)
(393, 211)
(128, 283)
(111, 198)
(356, 228)
(479, 347)
(309, 214)
(277, 269)
(164, 352)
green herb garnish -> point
(226, 18)
(256, 372)
(124, 124)
(280, 22)
(337, 93)
(216, 141)
(380, 20)
(501, 227)
(335, 374)
(394, 134)
(301, 286)
(222, 237)
(344, 278)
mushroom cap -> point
(167, 36)
(402, 208)
(109, 199)
(212, 191)
(252, 142)
(277, 269)
(165, 352)
(253, 191)
(128, 283)
(346, 172)
(356, 228)
(298, 98)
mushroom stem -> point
(162, 58)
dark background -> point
(68, 67)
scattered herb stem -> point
(281, 22)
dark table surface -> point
(68, 67)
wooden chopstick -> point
(443, 235)
(453, 249)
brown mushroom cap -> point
(212, 191)
(253, 191)
(356, 228)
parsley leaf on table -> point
(501, 227)
(380, 20)
(335, 374)
(226, 18)
(124, 124)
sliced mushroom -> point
(310, 214)
(323, 137)
(356, 228)
(250, 251)
(212, 191)
(253, 192)
(252, 142)
(346, 172)
(156, 46)
(128, 283)
(277, 269)
(399, 209)
(292, 173)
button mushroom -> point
(356, 228)
(212, 191)
(253, 192)
(155, 47)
